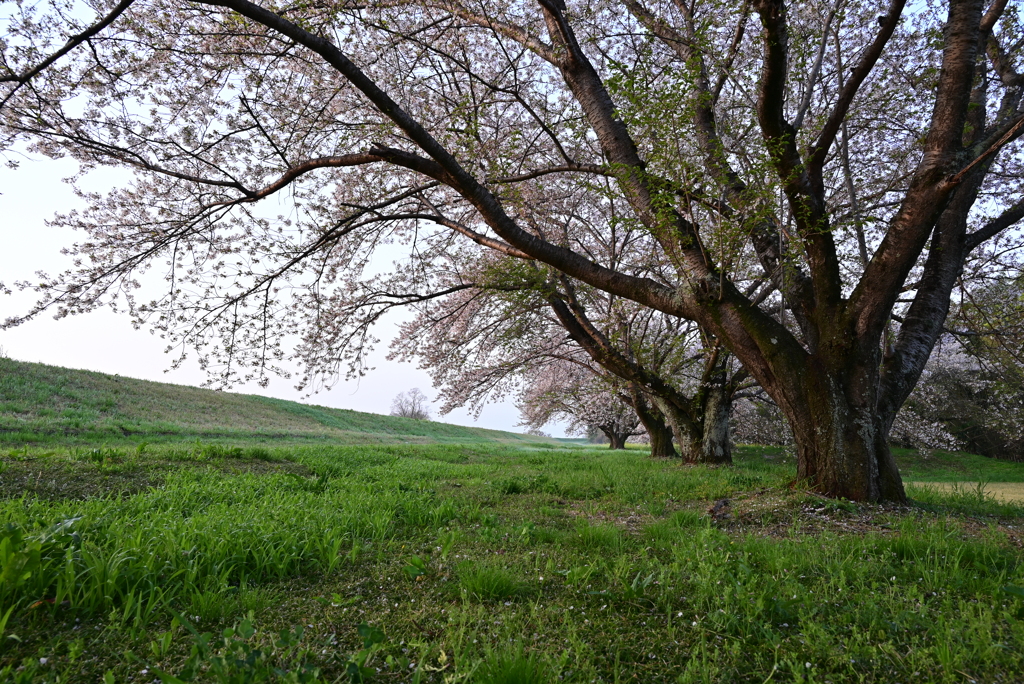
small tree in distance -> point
(411, 404)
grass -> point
(489, 582)
(42, 404)
(489, 563)
(948, 466)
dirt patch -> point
(1010, 492)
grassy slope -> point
(48, 403)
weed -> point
(235, 656)
(446, 541)
(649, 590)
(598, 537)
(489, 582)
(415, 568)
(512, 667)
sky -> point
(106, 342)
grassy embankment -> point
(42, 404)
(491, 563)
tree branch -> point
(445, 168)
(995, 226)
(805, 102)
(71, 44)
(819, 151)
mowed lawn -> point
(490, 563)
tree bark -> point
(616, 440)
(841, 437)
(661, 441)
(716, 447)
(703, 431)
(654, 422)
(847, 455)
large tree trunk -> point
(686, 430)
(716, 446)
(709, 442)
(705, 439)
(654, 422)
(661, 441)
(616, 440)
(848, 456)
(841, 436)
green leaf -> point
(371, 635)
(164, 677)
(1013, 591)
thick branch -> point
(445, 168)
(1008, 218)
(805, 193)
(929, 190)
(512, 31)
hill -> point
(40, 403)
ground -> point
(490, 563)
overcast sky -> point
(106, 342)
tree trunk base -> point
(847, 456)
(661, 443)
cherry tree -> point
(561, 390)
(488, 337)
(808, 180)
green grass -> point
(488, 563)
(489, 582)
(42, 404)
(947, 466)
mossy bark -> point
(716, 447)
(840, 432)
(703, 431)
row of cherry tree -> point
(610, 374)
(687, 196)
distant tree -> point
(562, 390)
(971, 395)
(411, 404)
(495, 322)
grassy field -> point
(949, 467)
(488, 563)
(48, 404)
